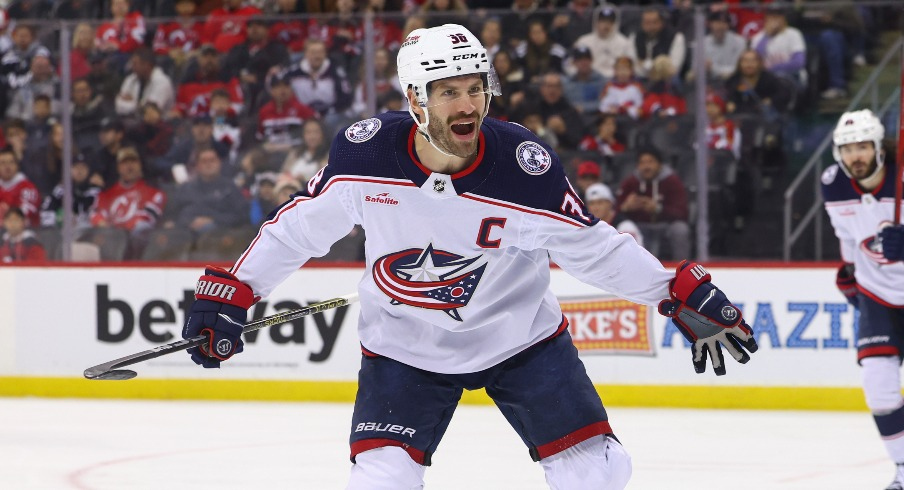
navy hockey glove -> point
(893, 242)
(847, 283)
(219, 312)
(706, 318)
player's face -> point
(456, 108)
(859, 158)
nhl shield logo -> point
(533, 158)
(364, 130)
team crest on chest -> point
(429, 278)
(533, 158)
(364, 130)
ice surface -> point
(99, 444)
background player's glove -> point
(219, 312)
(893, 242)
(706, 318)
(847, 283)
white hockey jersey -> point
(857, 216)
(457, 276)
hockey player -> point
(860, 200)
(462, 214)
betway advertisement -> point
(59, 321)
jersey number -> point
(486, 226)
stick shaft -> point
(184, 344)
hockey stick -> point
(110, 370)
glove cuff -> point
(217, 284)
(688, 276)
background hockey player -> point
(859, 196)
(462, 215)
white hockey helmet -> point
(445, 51)
(855, 127)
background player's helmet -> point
(855, 127)
(441, 52)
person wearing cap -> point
(225, 26)
(722, 46)
(146, 83)
(84, 195)
(279, 121)
(782, 46)
(186, 148)
(601, 203)
(655, 38)
(253, 59)
(103, 159)
(654, 197)
(588, 173)
(606, 43)
(583, 87)
(201, 79)
(130, 204)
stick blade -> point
(114, 375)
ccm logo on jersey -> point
(382, 198)
(215, 289)
(378, 427)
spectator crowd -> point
(192, 120)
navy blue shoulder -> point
(837, 186)
(368, 147)
(526, 171)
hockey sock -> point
(882, 388)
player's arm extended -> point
(600, 256)
(302, 228)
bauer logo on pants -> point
(608, 325)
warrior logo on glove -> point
(707, 319)
(224, 347)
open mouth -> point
(463, 129)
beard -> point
(442, 136)
(860, 170)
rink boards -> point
(57, 321)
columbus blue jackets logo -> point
(364, 130)
(533, 158)
(429, 278)
(872, 246)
